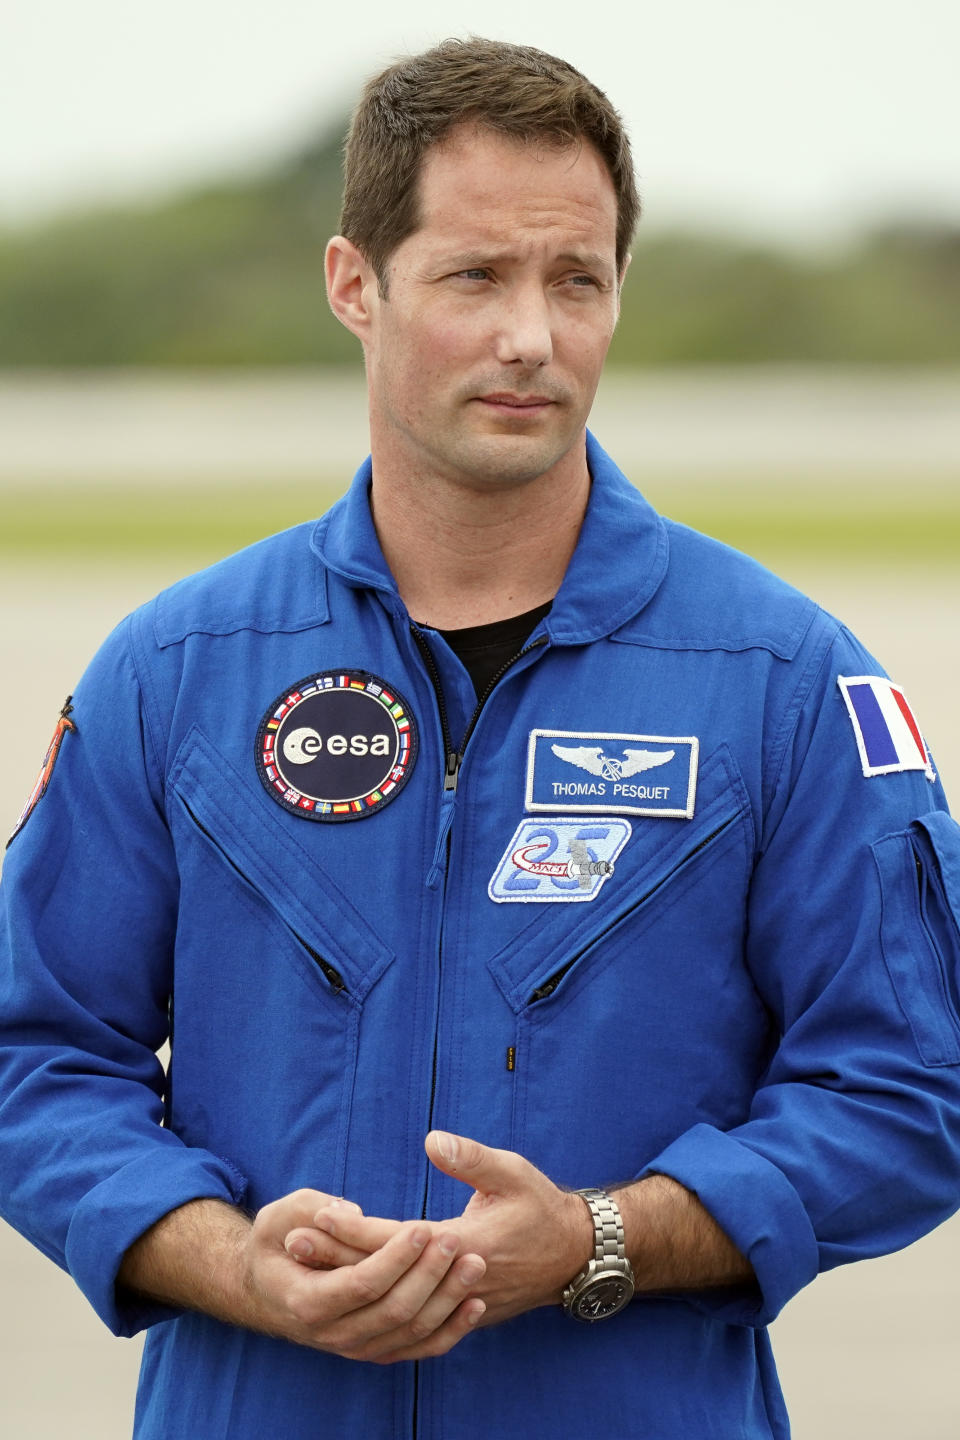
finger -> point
(312, 1247)
(351, 1227)
(334, 1306)
(492, 1172)
(465, 1273)
(462, 1322)
(298, 1208)
(361, 1286)
(397, 1314)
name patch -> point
(558, 860)
(338, 746)
(596, 773)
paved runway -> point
(130, 427)
(867, 1353)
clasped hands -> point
(326, 1275)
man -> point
(496, 810)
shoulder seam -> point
(139, 671)
(795, 707)
(174, 620)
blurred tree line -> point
(231, 274)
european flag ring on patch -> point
(888, 736)
(598, 772)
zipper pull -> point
(452, 773)
(447, 806)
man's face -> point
(485, 354)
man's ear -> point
(620, 279)
(351, 286)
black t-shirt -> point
(484, 648)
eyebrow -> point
(583, 259)
(587, 259)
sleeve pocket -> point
(920, 931)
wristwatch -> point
(605, 1285)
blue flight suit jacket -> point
(678, 914)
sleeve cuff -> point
(755, 1204)
(116, 1212)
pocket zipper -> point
(925, 881)
(332, 976)
(550, 985)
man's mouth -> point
(504, 400)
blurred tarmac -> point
(748, 422)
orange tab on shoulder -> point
(64, 723)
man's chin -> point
(506, 461)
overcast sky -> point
(794, 118)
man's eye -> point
(475, 273)
(582, 280)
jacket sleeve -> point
(87, 924)
(852, 1145)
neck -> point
(468, 556)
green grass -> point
(200, 521)
(809, 516)
(818, 523)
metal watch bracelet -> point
(605, 1285)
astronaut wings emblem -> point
(600, 772)
(612, 767)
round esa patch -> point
(338, 746)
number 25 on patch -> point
(558, 860)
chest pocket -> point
(645, 993)
(660, 857)
(273, 967)
(250, 840)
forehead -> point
(478, 182)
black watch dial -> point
(605, 1296)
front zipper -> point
(437, 876)
(332, 976)
(453, 758)
(550, 985)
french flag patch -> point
(888, 736)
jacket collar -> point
(618, 565)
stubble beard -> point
(500, 463)
(464, 450)
(488, 455)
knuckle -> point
(265, 1215)
(362, 1291)
(304, 1310)
(420, 1328)
(352, 1352)
(437, 1344)
(282, 1213)
(356, 1344)
(513, 1163)
(396, 1313)
(303, 1196)
(340, 1337)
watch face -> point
(605, 1296)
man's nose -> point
(525, 335)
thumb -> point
(487, 1170)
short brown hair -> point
(512, 89)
